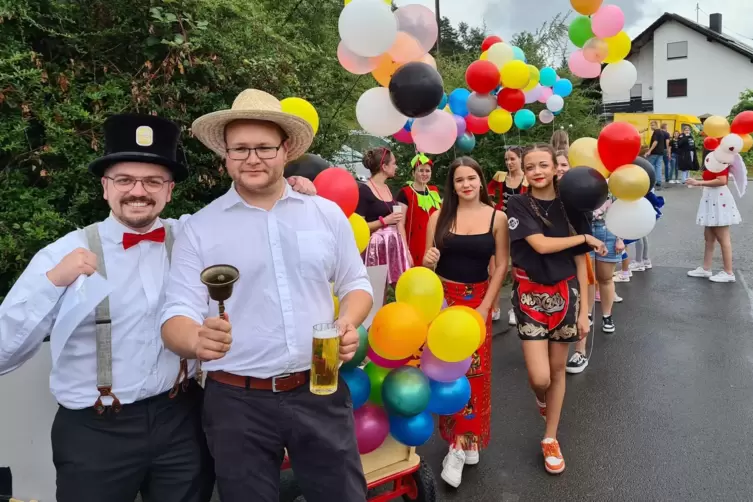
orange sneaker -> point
(554, 462)
(542, 408)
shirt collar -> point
(231, 198)
(113, 230)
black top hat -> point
(140, 138)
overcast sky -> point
(507, 17)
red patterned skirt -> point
(474, 422)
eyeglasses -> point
(126, 183)
(262, 152)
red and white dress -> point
(717, 207)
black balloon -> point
(643, 163)
(416, 89)
(583, 189)
(307, 165)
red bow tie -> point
(130, 240)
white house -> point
(685, 68)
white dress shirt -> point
(141, 366)
(287, 258)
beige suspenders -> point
(103, 325)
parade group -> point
(133, 415)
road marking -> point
(747, 290)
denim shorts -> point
(609, 239)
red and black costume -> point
(499, 191)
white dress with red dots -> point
(717, 207)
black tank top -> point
(465, 258)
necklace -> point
(548, 208)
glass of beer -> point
(325, 359)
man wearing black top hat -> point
(129, 416)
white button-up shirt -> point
(287, 258)
(141, 366)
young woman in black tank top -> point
(548, 246)
(464, 235)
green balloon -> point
(580, 31)
(406, 392)
(376, 375)
(360, 355)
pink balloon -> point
(420, 22)
(405, 48)
(533, 95)
(403, 136)
(596, 50)
(608, 21)
(352, 62)
(582, 68)
(372, 427)
(442, 371)
(460, 123)
(385, 363)
(545, 93)
(435, 133)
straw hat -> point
(253, 104)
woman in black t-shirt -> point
(548, 246)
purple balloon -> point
(442, 371)
(372, 427)
(444, 304)
(460, 122)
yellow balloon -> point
(619, 47)
(301, 108)
(453, 336)
(500, 53)
(583, 153)
(484, 56)
(421, 288)
(747, 142)
(716, 127)
(361, 231)
(586, 7)
(500, 121)
(629, 183)
(535, 76)
(515, 75)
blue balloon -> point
(524, 119)
(413, 431)
(563, 87)
(466, 143)
(359, 385)
(518, 54)
(556, 113)
(459, 101)
(408, 125)
(448, 398)
(442, 103)
(548, 77)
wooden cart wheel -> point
(425, 483)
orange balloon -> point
(429, 59)
(384, 70)
(480, 320)
(398, 331)
(405, 48)
(586, 7)
(747, 142)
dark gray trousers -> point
(248, 430)
(155, 447)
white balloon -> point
(618, 77)
(546, 117)
(631, 220)
(367, 27)
(500, 53)
(732, 143)
(716, 165)
(376, 113)
(533, 95)
(555, 103)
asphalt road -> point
(663, 411)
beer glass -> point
(325, 359)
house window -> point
(677, 88)
(677, 50)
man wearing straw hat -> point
(288, 248)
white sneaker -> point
(636, 266)
(452, 471)
(722, 277)
(700, 272)
(496, 315)
(618, 298)
(472, 457)
(621, 277)
(511, 320)
(647, 264)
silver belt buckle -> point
(274, 381)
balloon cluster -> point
(394, 48)
(726, 142)
(599, 35)
(419, 352)
(613, 157)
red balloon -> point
(476, 125)
(743, 123)
(511, 100)
(339, 186)
(489, 41)
(619, 144)
(482, 76)
(711, 143)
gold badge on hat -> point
(144, 136)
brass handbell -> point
(219, 280)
